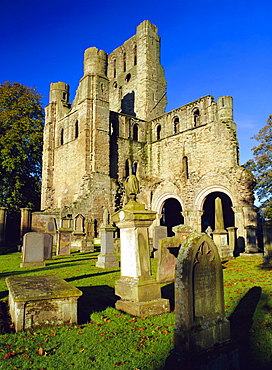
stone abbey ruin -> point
(117, 126)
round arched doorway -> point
(208, 217)
(171, 214)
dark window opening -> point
(135, 55)
(76, 129)
(64, 96)
(158, 132)
(114, 68)
(135, 132)
(134, 168)
(128, 77)
(196, 117)
(61, 136)
(176, 125)
(185, 167)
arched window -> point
(135, 55)
(61, 136)
(196, 117)
(158, 132)
(135, 132)
(125, 61)
(114, 68)
(76, 129)
(185, 167)
(176, 125)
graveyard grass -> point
(106, 338)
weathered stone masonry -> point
(117, 125)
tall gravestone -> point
(159, 232)
(107, 257)
(65, 237)
(48, 246)
(33, 250)
(201, 326)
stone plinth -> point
(220, 238)
(107, 257)
(41, 300)
(140, 293)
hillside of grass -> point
(106, 338)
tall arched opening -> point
(171, 214)
(208, 217)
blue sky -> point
(208, 47)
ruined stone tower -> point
(117, 125)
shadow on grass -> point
(89, 275)
(241, 321)
(40, 269)
(94, 298)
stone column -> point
(25, 225)
(65, 237)
(140, 293)
(220, 237)
(3, 222)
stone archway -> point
(208, 216)
(171, 214)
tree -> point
(21, 128)
(261, 166)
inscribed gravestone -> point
(48, 246)
(33, 250)
(199, 296)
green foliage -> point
(21, 129)
(261, 166)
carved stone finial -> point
(132, 187)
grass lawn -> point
(107, 339)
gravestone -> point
(107, 257)
(159, 232)
(65, 237)
(202, 332)
(48, 246)
(167, 257)
(33, 250)
(168, 252)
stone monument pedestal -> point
(220, 238)
(140, 293)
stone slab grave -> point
(33, 250)
(41, 300)
(202, 332)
